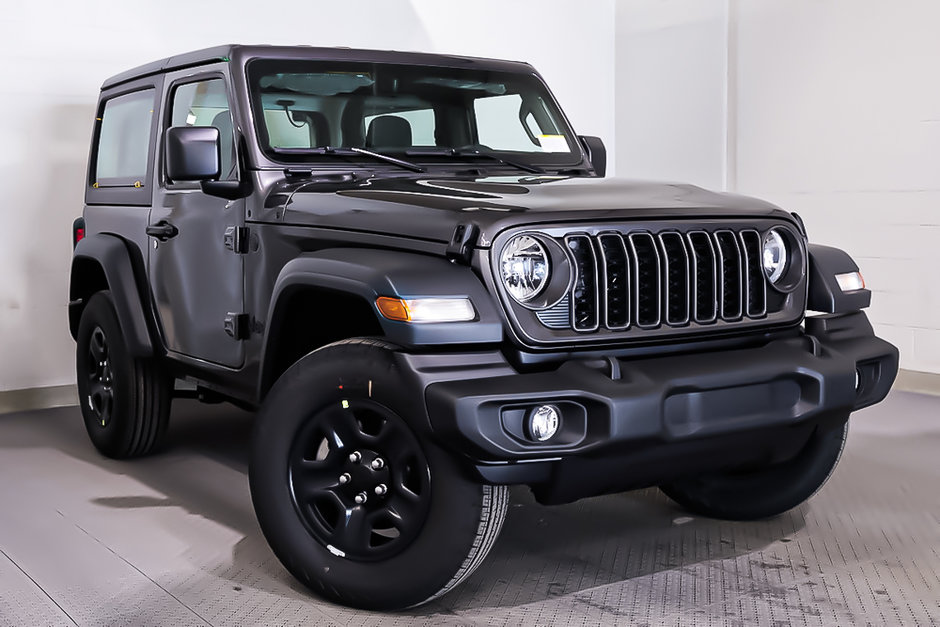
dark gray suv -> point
(416, 272)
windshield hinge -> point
(236, 239)
(461, 244)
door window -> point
(205, 103)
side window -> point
(124, 140)
(205, 103)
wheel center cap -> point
(367, 470)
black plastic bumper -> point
(643, 422)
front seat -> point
(388, 131)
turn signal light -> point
(850, 281)
(393, 308)
(426, 309)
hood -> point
(430, 209)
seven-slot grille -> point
(648, 280)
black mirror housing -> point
(596, 153)
(193, 153)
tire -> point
(125, 401)
(423, 528)
(764, 492)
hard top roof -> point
(240, 53)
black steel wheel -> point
(352, 495)
(125, 401)
(755, 493)
(100, 390)
(360, 480)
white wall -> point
(671, 61)
(830, 109)
(55, 56)
(838, 118)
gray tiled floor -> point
(172, 540)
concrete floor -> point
(172, 540)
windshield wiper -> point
(474, 153)
(352, 151)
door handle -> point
(162, 230)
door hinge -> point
(238, 325)
(236, 239)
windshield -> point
(428, 113)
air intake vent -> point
(729, 269)
(705, 270)
(648, 280)
(584, 295)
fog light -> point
(543, 422)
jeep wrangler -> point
(417, 273)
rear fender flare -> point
(111, 255)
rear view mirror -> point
(596, 153)
(193, 153)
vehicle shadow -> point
(542, 552)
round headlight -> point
(774, 255)
(524, 268)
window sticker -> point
(553, 143)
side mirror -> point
(596, 153)
(193, 153)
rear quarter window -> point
(123, 143)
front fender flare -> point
(369, 274)
(825, 294)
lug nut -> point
(354, 457)
(381, 489)
(361, 498)
(378, 463)
(344, 478)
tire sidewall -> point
(422, 568)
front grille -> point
(650, 280)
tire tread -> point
(149, 386)
(492, 515)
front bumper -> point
(634, 423)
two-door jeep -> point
(416, 271)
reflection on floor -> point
(172, 540)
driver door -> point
(197, 276)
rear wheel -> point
(125, 400)
(353, 501)
(764, 492)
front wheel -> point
(764, 492)
(352, 500)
